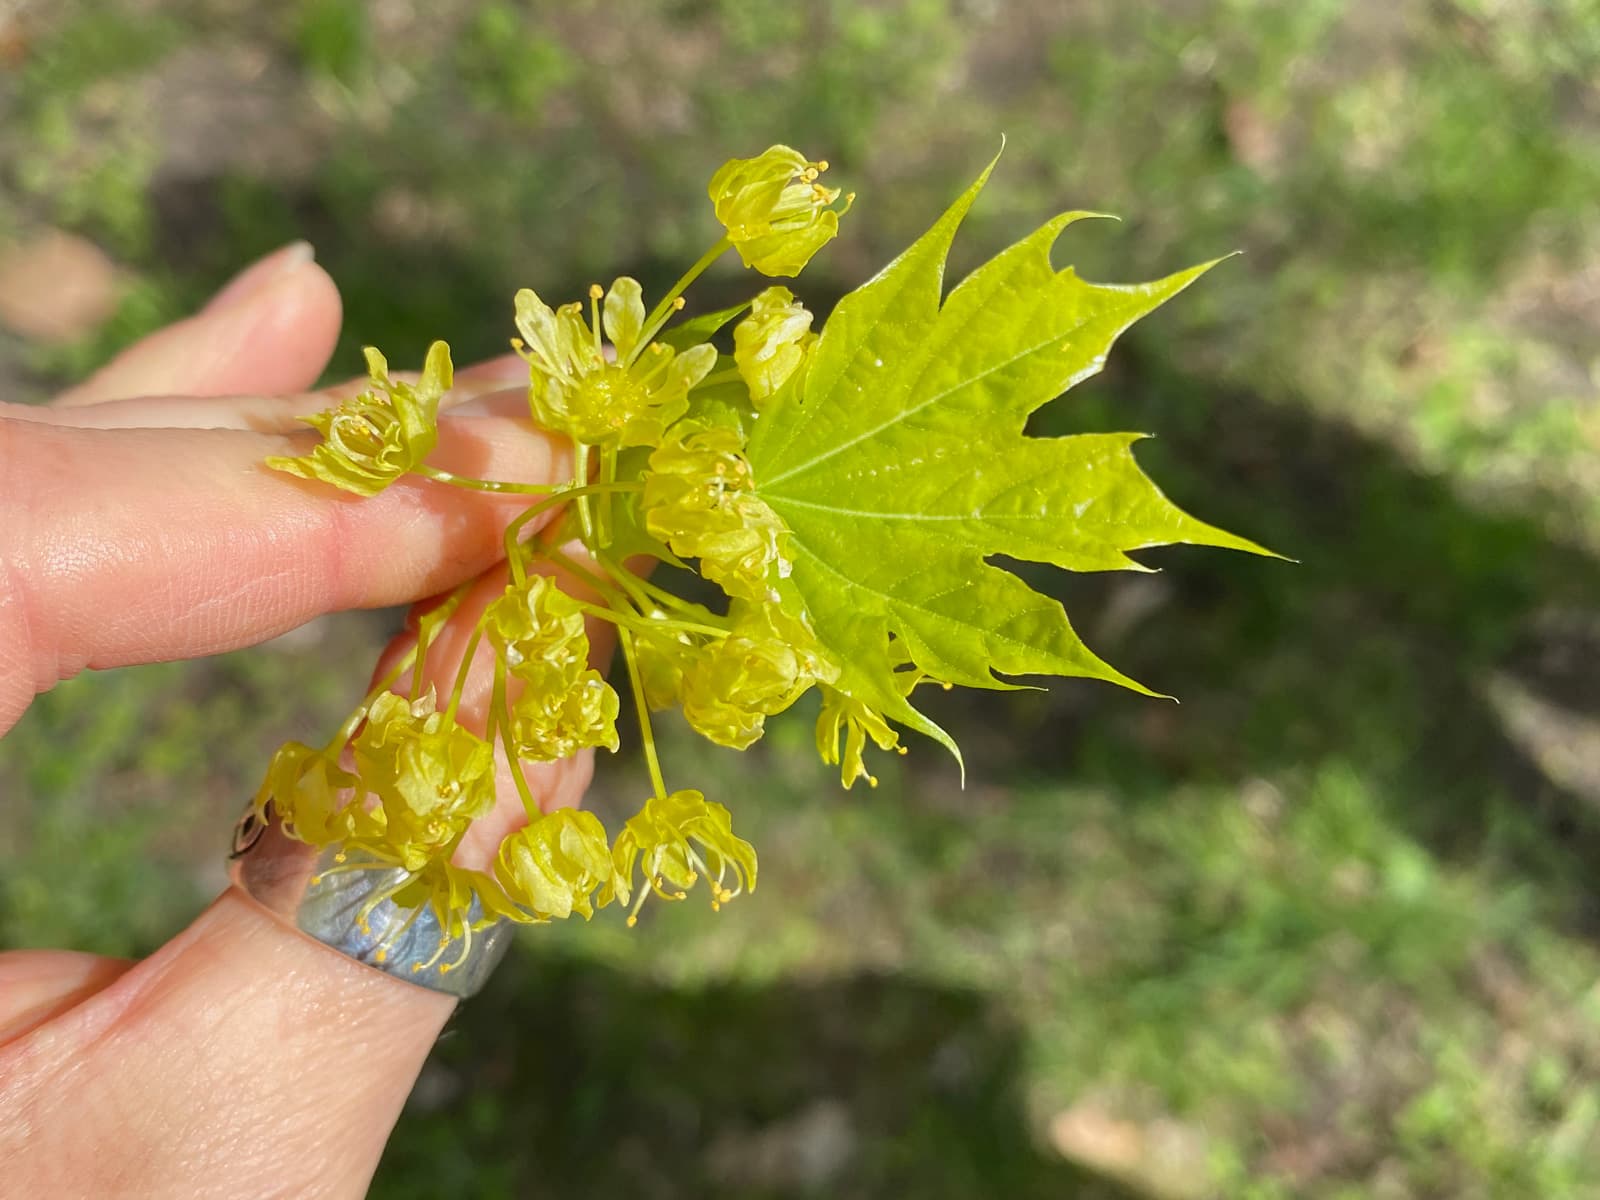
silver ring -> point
(291, 880)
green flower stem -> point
(428, 624)
(562, 495)
(580, 481)
(627, 580)
(612, 597)
(461, 673)
(500, 725)
(664, 308)
(641, 588)
(483, 485)
(608, 474)
(646, 734)
(606, 613)
(619, 604)
(336, 744)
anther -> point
(596, 291)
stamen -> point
(444, 941)
(664, 357)
(395, 932)
(466, 949)
(633, 916)
(364, 913)
(362, 865)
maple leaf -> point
(900, 465)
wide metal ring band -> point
(291, 880)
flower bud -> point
(772, 343)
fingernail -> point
(259, 274)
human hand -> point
(241, 1059)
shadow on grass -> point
(567, 1078)
(1377, 647)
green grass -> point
(1327, 929)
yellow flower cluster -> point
(700, 500)
(400, 787)
(561, 704)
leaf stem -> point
(613, 597)
(629, 582)
(608, 474)
(580, 480)
(638, 586)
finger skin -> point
(240, 1060)
(278, 338)
(145, 545)
(36, 985)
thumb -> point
(272, 329)
(241, 1059)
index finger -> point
(124, 546)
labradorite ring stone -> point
(294, 882)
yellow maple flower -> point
(575, 389)
(699, 498)
(312, 797)
(776, 213)
(674, 840)
(374, 438)
(432, 778)
(552, 867)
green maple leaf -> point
(900, 465)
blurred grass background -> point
(1328, 929)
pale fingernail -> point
(261, 273)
